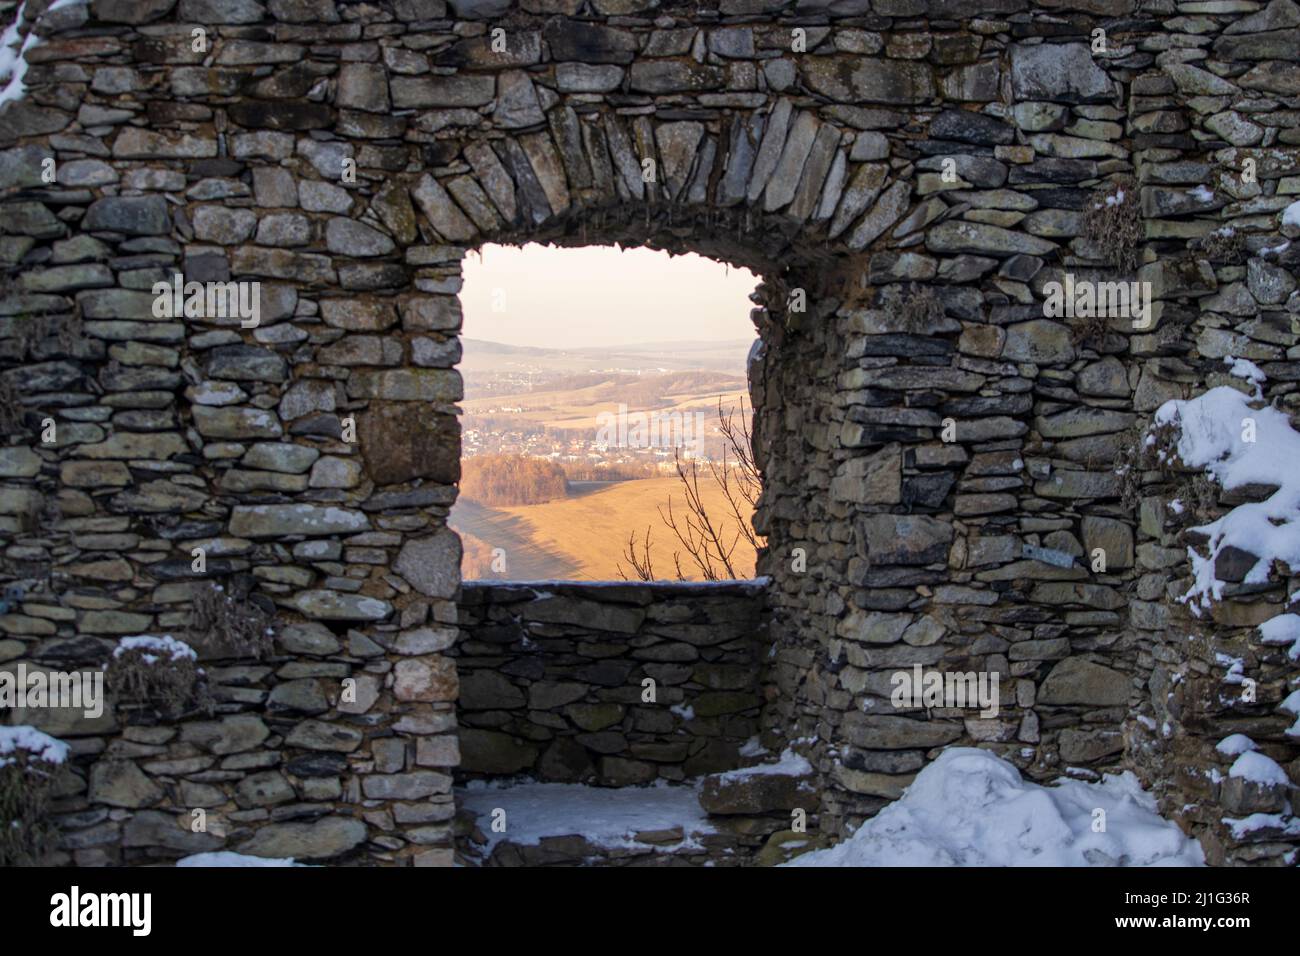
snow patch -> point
(1291, 215)
(13, 57)
(1235, 745)
(1283, 629)
(165, 646)
(1259, 768)
(1292, 706)
(1236, 672)
(1242, 827)
(789, 764)
(37, 744)
(226, 858)
(606, 816)
(1210, 429)
(13, 52)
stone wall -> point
(552, 680)
(906, 175)
(1194, 695)
(330, 746)
(916, 550)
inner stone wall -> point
(314, 457)
(553, 680)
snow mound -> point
(40, 746)
(606, 816)
(1234, 744)
(1283, 629)
(1259, 768)
(1291, 215)
(1292, 706)
(972, 808)
(226, 858)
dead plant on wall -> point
(28, 334)
(1195, 502)
(230, 618)
(1113, 223)
(1224, 246)
(1089, 329)
(920, 307)
(11, 408)
(1133, 458)
(1155, 449)
(26, 785)
(158, 673)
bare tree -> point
(642, 563)
(705, 539)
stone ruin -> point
(942, 457)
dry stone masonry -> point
(944, 453)
(553, 680)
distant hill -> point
(482, 355)
(684, 345)
(484, 347)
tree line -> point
(496, 480)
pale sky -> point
(602, 296)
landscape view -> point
(611, 457)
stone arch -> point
(778, 176)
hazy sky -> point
(602, 296)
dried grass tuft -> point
(230, 618)
(26, 834)
(1113, 223)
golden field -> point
(584, 535)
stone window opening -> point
(607, 420)
(613, 684)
